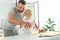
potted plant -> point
(50, 25)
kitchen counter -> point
(31, 37)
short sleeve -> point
(12, 9)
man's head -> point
(21, 5)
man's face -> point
(20, 7)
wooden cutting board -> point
(49, 34)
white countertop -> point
(30, 37)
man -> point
(14, 18)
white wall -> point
(50, 8)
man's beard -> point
(20, 11)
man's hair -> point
(22, 1)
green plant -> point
(50, 25)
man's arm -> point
(12, 20)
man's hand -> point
(27, 25)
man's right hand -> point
(27, 25)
